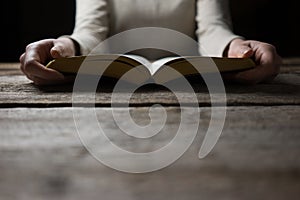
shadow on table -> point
(285, 84)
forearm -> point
(214, 27)
(91, 25)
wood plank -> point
(18, 91)
(257, 157)
(291, 61)
(290, 65)
(10, 69)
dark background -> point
(25, 21)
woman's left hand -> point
(265, 55)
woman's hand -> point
(37, 54)
(265, 55)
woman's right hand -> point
(38, 54)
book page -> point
(196, 65)
(153, 66)
(156, 65)
(114, 66)
(140, 59)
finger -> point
(36, 69)
(255, 75)
(252, 76)
(22, 67)
(30, 77)
(249, 77)
(268, 64)
(22, 57)
(33, 65)
(43, 82)
(39, 81)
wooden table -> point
(256, 157)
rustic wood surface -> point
(256, 157)
(16, 90)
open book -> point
(141, 69)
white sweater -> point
(208, 21)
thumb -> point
(240, 50)
(57, 51)
(246, 52)
(61, 49)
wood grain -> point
(257, 157)
(18, 91)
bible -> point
(141, 69)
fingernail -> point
(246, 53)
(55, 53)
